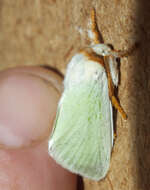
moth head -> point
(102, 49)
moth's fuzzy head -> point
(107, 50)
(101, 49)
(81, 69)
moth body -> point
(102, 49)
(81, 70)
(84, 112)
(82, 136)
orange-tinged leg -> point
(117, 105)
(121, 53)
(125, 53)
(114, 101)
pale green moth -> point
(82, 137)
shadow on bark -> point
(80, 185)
(142, 94)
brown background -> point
(50, 32)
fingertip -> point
(28, 101)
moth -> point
(82, 136)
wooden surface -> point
(50, 32)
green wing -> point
(82, 137)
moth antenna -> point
(94, 28)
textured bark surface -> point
(50, 32)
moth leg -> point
(124, 53)
(114, 101)
(120, 53)
(94, 28)
(117, 105)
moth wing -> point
(83, 132)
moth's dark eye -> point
(117, 59)
(111, 46)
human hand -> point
(28, 102)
